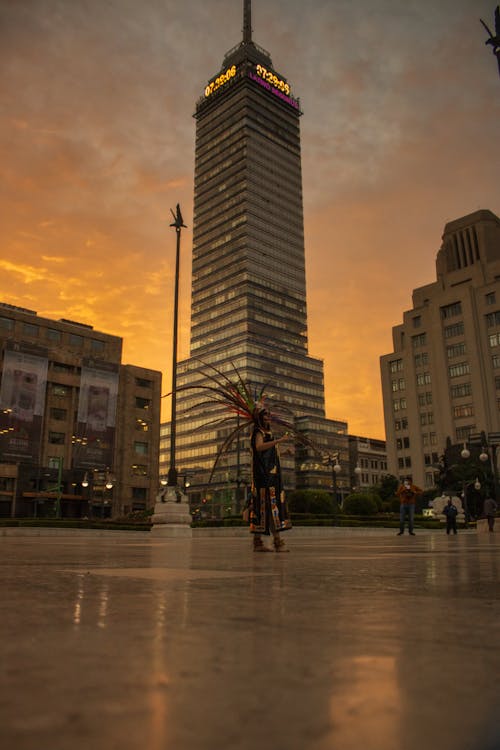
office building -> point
(79, 430)
(248, 267)
(367, 462)
(442, 379)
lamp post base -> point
(172, 516)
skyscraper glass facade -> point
(248, 266)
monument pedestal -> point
(171, 517)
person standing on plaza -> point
(407, 493)
(268, 510)
(489, 510)
(450, 510)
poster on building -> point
(95, 434)
(22, 401)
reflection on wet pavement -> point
(348, 642)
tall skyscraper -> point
(443, 378)
(248, 267)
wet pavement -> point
(350, 641)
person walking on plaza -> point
(268, 510)
(450, 510)
(489, 510)
(407, 494)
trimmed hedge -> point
(73, 523)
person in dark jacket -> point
(451, 512)
(407, 494)
(489, 510)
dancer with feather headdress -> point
(247, 407)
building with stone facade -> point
(441, 382)
(367, 462)
(79, 430)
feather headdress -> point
(244, 402)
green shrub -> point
(360, 504)
(319, 502)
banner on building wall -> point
(22, 401)
(96, 420)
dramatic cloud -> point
(401, 107)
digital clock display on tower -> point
(220, 80)
(273, 79)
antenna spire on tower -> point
(247, 21)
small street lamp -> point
(357, 472)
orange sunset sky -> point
(400, 134)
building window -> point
(450, 311)
(401, 463)
(139, 470)
(399, 404)
(96, 345)
(401, 424)
(494, 339)
(75, 340)
(458, 391)
(493, 319)
(455, 350)
(53, 462)
(59, 390)
(490, 298)
(60, 414)
(139, 493)
(407, 462)
(456, 371)
(29, 329)
(7, 324)
(424, 399)
(433, 438)
(54, 335)
(142, 403)
(495, 360)
(497, 382)
(421, 359)
(418, 341)
(56, 438)
(396, 365)
(398, 385)
(464, 410)
(463, 433)
(423, 378)
(457, 329)
(141, 448)
(143, 383)
(417, 321)
(427, 418)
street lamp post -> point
(465, 486)
(178, 223)
(333, 461)
(489, 453)
(489, 442)
(357, 472)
